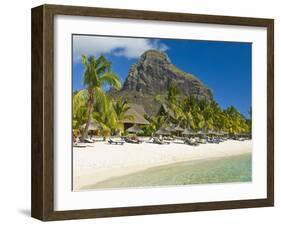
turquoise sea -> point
(218, 170)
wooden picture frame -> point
(42, 203)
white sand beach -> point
(101, 161)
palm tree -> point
(156, 122)
(173, 103)
(249, 121)
(97, 75)
(236, 121)
(121, 107)
(103, 113)
(188, 120)
(79, 108)
(173, 92)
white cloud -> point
(127, 47)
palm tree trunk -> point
(89, 113)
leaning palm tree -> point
(97, 75)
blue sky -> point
(225, 67)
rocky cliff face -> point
(153, 75)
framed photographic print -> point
(141, 112)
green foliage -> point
(119, 112)
(106, 111)
(205, 114)
(103, 113)
(156, 122)
(121, 107)
(79, 109)
(173, 92)
(98, 73)
(182, 73)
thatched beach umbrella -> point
(94, 125)
(171, 128)
(178, 129)
(217, 133)
(163, 131)
(223, 133)
(244, 134)
(134, 129)
(203, 133)
(188, 131)
(211, 132)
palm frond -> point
(102, 65)
(112, 79)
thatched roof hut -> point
(178, 129)
(134, 129)
(222, 132)
(164, 109)
(203, 132)
(188, 131)
(171, 127)
(212, 132)
(138, 108)
(137, 111)
(94, 125)
(163, 131)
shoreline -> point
(142, 179)
(101, 161)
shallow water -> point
(219, 170)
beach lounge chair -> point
(191, 141)
(88, 140)
(130, 140)
(120, 142)
(169, 138)
(236, 138)
(241, 139)
(150, 140)
(75, 145)
(202, 141)
(158, 141)
(133, 140)
(98, 139)
(178, 141)
(165, 141)
(213, 140)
